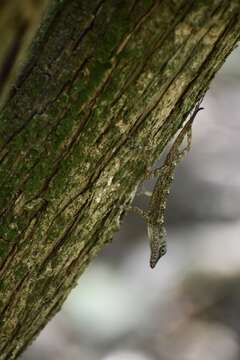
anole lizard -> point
(156, 211)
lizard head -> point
(158, 244)
(156, 256)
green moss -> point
(2, 285)
(3, 248)
(20, 271)
(97, 73)
(147, 3)
(9, 231)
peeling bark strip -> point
(18, 21)
(104, 78)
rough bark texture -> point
(108, 85)
(18, 21)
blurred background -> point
(188, 307)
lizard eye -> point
(163, 250)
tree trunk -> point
(18, 22)
(108, 85)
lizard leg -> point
(150, 174)
(145, 193)
(138, 211)
(189, 142)
(180, 155)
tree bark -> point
(108, 85)
(18, 22)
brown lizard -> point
(155, 215)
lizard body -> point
(155, 215)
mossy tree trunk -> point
(105, 79)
